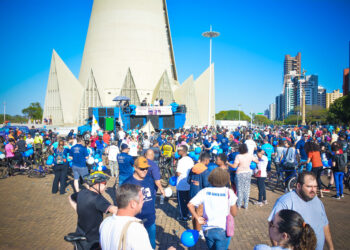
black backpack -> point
(340, 163)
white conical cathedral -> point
(129, 51)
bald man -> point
(153, 170)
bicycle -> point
(80, 242)
(289, 181)
(37, 172)
(167, 170)
(14, 166)
(4, 169)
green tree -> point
(292, 120)
(339, 111)
(13, 118)
(261, 119)
(34, 111)
(232, 115)
(314, 114)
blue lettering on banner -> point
(216, 194)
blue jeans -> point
(151, 230)
(268, 168)
(338, 178)
(216, 239)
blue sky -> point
(248, 55)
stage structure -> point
(128, 51)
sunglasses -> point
(142, 169)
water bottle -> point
(161, 200)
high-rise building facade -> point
(279, 107)
(272, 111)
(292, 64)
(346, 82)
(331, 97)
(321, 97)
(310, 85)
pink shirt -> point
(9, 150)
(244, 161)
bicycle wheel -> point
(4, 172)
(165, 176)
(33, 173)
(292, 183)
(326, 176)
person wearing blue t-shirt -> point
(224, 144)
(300, 147)
(207, 144)
(125, 162)
(148, 212)
(304, 200)
(79, 156)
(60, 168)
(269, 150)
(100, 146)
(161, 139)
(153, 170)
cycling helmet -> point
(95, 178)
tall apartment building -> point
(292, 64)
(346, 82)
(310, 85)
(321, 97)
(289, 98)
(279, 107)
(331, 97)
(272, 111)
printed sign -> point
(154, 110)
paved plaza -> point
(33, 218)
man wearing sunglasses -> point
(148, 212)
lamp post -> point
(210, 34)
(303, 100)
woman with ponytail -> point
(289, 230)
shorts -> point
(77, 172)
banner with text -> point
(154, 110)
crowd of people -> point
(210, 187)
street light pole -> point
(210, 34)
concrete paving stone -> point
(33, 218)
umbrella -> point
(121, 98)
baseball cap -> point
(141, 162)
(124, 146)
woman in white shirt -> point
(261, 174)
(218, 201)
(133, 144)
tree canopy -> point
(232, 115)
(339, 111)
(34, 111)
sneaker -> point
(265, 202)
(336, 197)
(342, 196)
(201, 234)
(258, 203)
(326, 190)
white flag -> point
(120, 119)
(95, 125)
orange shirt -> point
(106, 138)
(316, 160)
